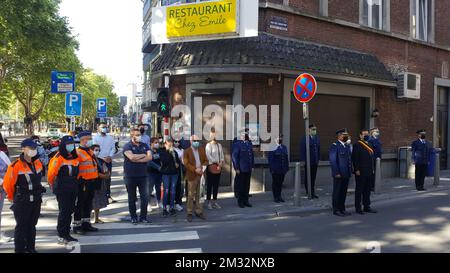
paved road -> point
(415, 224)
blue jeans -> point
(170, 184)
(155, 180)
(133, 183)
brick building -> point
(359, 50)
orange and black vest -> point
(63, 173)
(88, 169)
(22, 181)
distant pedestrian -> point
(107, 151)
(421, 150)
(314, 155)
(9, 130)
(194, 159)
(170, 169)
(243, 163)
(279, 166)
(377, 150)
(4, 163)
(100, 200)
(216, 160)
(341, 170)
(144, 137)
(363, 165)
(137, 156)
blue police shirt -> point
(279, 160)
(242, 156)
(314, 149)
(134, 169)
(340, 160)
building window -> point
(374, 13)
(422, 19)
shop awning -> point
(271, 53)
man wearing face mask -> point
(107, 151)
(243, 162)
(363, 158)
(341, 171)
(279, 166)
(377, 150)
(63, 179)
(22, 184)
(88, 182)
(137, 155)
(314, 155)
(420, 157)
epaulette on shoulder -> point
(334, 144)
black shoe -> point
(32, 251)
(370, 210)
(78, 230)
(346, 213)
(173, 212)
(70, 239)
(134, 221)
(315, 196)
(145, 221)
(281, 200)
(241, 205)
(247, 204)
(250, 195)
(276, 200)
(422, 189)
(90, 228)
(165, 213)
(358, 211)
(338, 213)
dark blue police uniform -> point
(314, 155)
(363, 161)
(420, 156)
(279, 166)
(243, 161)
(341, 164)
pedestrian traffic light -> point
(163, 102)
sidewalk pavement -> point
(263, 205)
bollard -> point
(437, 167)
(297, 185)
(378, 175)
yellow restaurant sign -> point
(209, 18)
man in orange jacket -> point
(63, 172)
(22, 184)
(88, 178)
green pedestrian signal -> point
(163, 102)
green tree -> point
(34, 41)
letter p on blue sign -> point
(102, 108)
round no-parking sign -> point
(305, 87)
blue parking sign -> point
(62, 82)
(102, 108)
(74, 104)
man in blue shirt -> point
(421, 158)
(314, 155)
(279, 166)
(243, 162)
(137, 154)
(341, 171)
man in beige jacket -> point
(194, 158)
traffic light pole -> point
(166, 121)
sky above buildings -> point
(110, 37)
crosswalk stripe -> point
(187, 250)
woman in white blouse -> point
(214, 153)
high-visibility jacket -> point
(63, 173)
(22, 181)
(88, 165)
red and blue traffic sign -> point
(305, 88)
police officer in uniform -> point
(363, 158)
(421, 158)
(22, 184)
(279, 166)
(63, 173)
(243, 162)
(88, 174)
(314, 155)
(374, 140)
(341, 170)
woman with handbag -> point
(100, 200)
(4, 163)
(214, 153)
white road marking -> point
(187, 250)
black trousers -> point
(66, 203)
(340, 187)
(313, 178)
(421, 173)
(212, 185)
(243, 187)
(277, 185)
(362, 191)
(83, 207)
(178, 192)
(26, 215)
